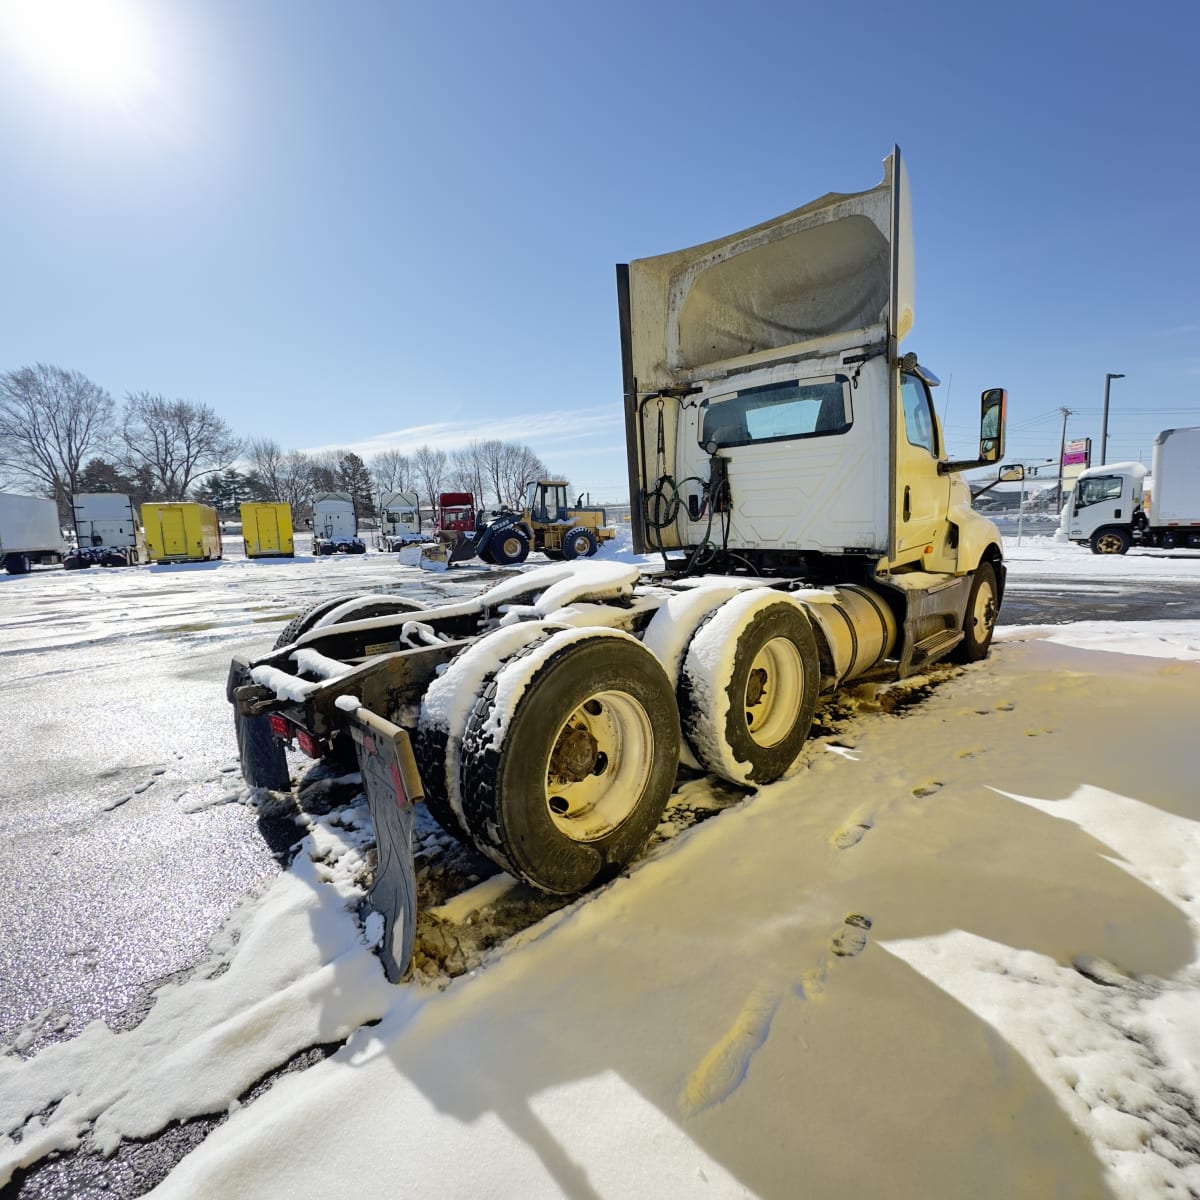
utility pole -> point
(1062, 449)
(1104, 423)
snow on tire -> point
(672, 628)
(357, 606)
(445, 708)
(569, 758)
(748, 687)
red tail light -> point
(308, 744)
(280, 727)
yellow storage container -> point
(181, 532)
(267, 530)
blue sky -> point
(370, 224)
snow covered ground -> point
(953, 954)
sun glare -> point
(98, 49)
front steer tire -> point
(1110, 540)
(979, 621)
(569, 791)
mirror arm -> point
(949, 468)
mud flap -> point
(393, 787)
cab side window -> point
(918, 414)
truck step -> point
(936, 645)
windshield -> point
(812, 408)
(1097, 488)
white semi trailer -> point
(1120, 505)
(107, 532)
(29, 533)
(785, 460)
(335, 525)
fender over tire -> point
(572, 785)
(310, 616)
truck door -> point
(268, 531)
(174, 533)
(922, 495)
(1099, 500)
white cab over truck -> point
(1116, 506)
(107, 532)
(786, 462)
(29, 533)
(399, 520)
(335, 525)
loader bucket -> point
(452, 548)
(433, 557)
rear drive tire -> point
(567, 792)
(979, 621)
(261, 753)
(310, 616)
(579, 542)
(746, 715)
(17, 564)
(1110, 541)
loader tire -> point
(979, 620)
(261, 753)
(567, 792)
(509, 548)
(579, 542)
(748, 687)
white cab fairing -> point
(813, 299)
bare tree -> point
(466, 472)
(295, 482)
(51, 422)
(267, 458)
(520, 465)
(431, 468)
(393, 471)
(179, 441)
(325, 467)
(491, 455)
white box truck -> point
(29, 533)
(107, 532)
(1120, 505)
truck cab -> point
(775, 428)
(1104, 504)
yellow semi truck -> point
(785, 460)
(181, 532)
